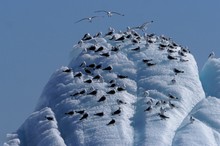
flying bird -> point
(109, 13)
(87, 18)
(143, 27)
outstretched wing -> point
(81, 20)
(118, 13)
(101, 11)
(146, 23)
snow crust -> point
(152, 83)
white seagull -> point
(109, 13)
(87, 18)
(143, 27)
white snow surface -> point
(146, 85)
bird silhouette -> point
(85, 116)
(99, 114)
(70, 113)
(112, 122)
(103, 98)
(118, 111)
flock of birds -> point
(130, 35)
(108, 13)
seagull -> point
(87, 18)
(112, 122)
(109, 13)
(143, 27)
(212, 55)
(191, 119)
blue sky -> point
(36, 38)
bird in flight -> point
(109, 13)
(87, 18)
(143, 27)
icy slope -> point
(210, 77)
(123, 89)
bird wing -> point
(94, 17)
(81, 20)
(117, 13)
(137, 27)
(146, 23)
(101, 11)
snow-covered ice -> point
(150, 87)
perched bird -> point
(97, 35)
(86, 37)
(212, 55)
(151, 64)
(150, 102)
(120, 101)
(177, 71)
(162, 110)
(80, 112)
(97, 77)
(110, 32)
(75, 94)
(103, 98)
(115, 49)
(70, 113)
(158, 103)
(112, 122)
(118, 111)
(49, 118)
(87, 71)
(171, 57)
(183, 60)
(111, 92)
(99, 49)
(147, 60)
(99, 114)
(105, 54)
(112, 85)
(136, 49)
(171, 105)
(91, 48)
(162, 116)
(78, 75)
(173, 81)
(87, 18)
(122, 76)
(109, 13)
(88, 81)
(120, 89)
(85, 116)
(146, 94)
(109, 68)
(68, 70)
(83, 64)
(91, 65)
(148, 109)
(172, 96)
(122, 38)
(143, 27)
(94, 92)
(98, 66)
(112, 81)
(82, 91)
(191, 119)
